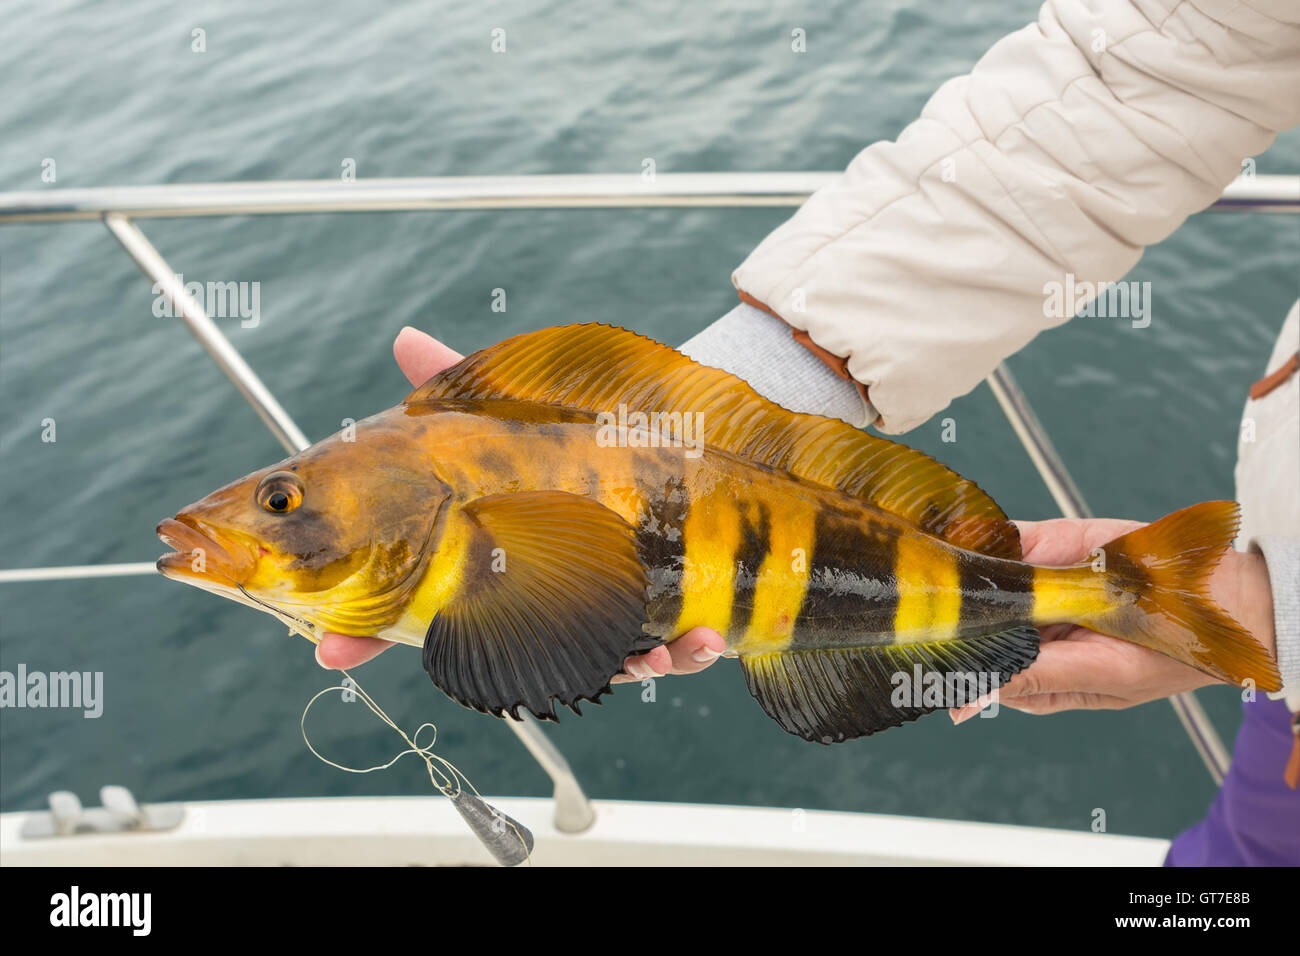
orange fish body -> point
(552, 504)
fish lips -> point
(204, 555)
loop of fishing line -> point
(442, 773)
(445, 776)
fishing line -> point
(296, 624)
(484, 819)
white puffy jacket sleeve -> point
(1070, 146)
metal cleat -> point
(119, 814)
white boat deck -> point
(427, 831)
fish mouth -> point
(204, 555)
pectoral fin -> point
(551, 601)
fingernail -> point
(319, 661)
(649, 670)
(704, 655)
(635, 669)
(963, 715)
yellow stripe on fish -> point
(712, 536)
(781, 581)
(929, 591)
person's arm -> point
(1281, 556)
(758, 347)
(1069, 147)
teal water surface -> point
(203, 697)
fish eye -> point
(280, 492)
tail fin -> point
(1166, 566)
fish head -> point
(330, 539)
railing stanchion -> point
(1069, 499)
(573, 811)
(226, 356)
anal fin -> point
(829, 695)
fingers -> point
(655, 663)
(1043, 704)
(340, 652)
(1085, 671)
(1056, 632)
(696, 650)
(1063, 669)
(1063, 541)
(689, 654)
(420, 356)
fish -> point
(553, 504)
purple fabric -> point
(1255, 819)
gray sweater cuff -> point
(1282, 555)
(749, 343)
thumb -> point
(420, 356)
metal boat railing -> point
(119, 206)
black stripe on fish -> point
(755, 543)
(994, 593)
(852, 588)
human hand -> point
(420, 357)
(1080, 669)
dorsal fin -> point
(597, 367)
